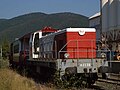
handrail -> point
(77, 47)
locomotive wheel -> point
(104, 76)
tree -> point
(5, 48)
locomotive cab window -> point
(16, 48)
(36, 43)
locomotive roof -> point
(71, 30)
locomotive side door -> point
(34, 44)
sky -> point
(13, 8)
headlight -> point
(66, 55)
(103, 55)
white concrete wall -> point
(112, 14)
(118, 14)
(95, 22)
(104, 13)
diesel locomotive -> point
(70, 51)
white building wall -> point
(104, 13)
(118, 14)
(110, 11)
(94, 21)
(112, 14)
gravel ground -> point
(107, 86)
(101, 86)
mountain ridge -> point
(20, 25)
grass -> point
(11, 80)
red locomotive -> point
(71, 50)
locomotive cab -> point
(35, 41)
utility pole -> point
(0, 56)
(0, 52)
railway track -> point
(108, 84)
(112, 78)
(111, 81)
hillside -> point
(2, 23)
(2, 20)
(18, 26)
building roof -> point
(95, 15)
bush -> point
(70, 81)
(4, 63)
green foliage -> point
(5, 48)
(4, 63)
(70, 81)
(18, 26)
